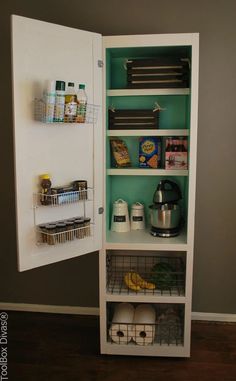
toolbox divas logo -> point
(3, 346)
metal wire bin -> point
(168, 328)
(151, 275)
(40, 113)
(63, 198)
(59, 232)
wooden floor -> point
(52, 347)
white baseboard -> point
(49, 308)
(74, 310)
(208, 316)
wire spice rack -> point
(40, 111)
(164, 275)
(64, 198)
(56, 233)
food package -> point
(149, 152)
(120, 154)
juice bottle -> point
(70, 103)
(81, 104)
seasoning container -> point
(60, 101)
(79, 226)
(43, 233)
(69, 230)
(81, 187)
(87, 230)
(51, 234)
(45, 191)
(61, 232)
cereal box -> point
(149, 152)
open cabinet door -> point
(67, 151)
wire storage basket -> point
(167, 329)
(41, 113)
(63, 198)
(149, 275)
(63, 231)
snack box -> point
(149, 152)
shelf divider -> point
(141, 92)
(146, 172)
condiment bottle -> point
(81, 104)
(70, 103)
(60, 101)
(45, 193)
(49, 97)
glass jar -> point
(69, 230)
(51, 234)
(61, 232)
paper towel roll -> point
(144, 324)
(121, 330)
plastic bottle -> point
(49, 97)
(60, 101)
(81, 104)
(45, 191)
(70, 103)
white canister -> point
(120, 217)
(137, 216)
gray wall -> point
(75, 282)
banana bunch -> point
(135, 282)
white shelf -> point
(180, 132)
(147, 350)
(141, 92)
(143, 240)
(136, 298)
(145, 172)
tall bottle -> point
(49, 97)
(70, 103)
(81, 104)
(60, 101)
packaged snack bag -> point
(120, 154)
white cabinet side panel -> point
(43, 51)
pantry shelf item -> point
(162, 72)
(133, 119)
(70, 153)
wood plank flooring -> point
(66, 347)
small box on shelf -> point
(176, 153)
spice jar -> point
(87, 231)
(61, 232)
(81, 187)
(69, 230)
(51, 234)
(79, 226)
(43, 233)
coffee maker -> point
(165, 212)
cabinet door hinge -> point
(100, 210)
(100, 63)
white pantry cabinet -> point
(72, 151)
